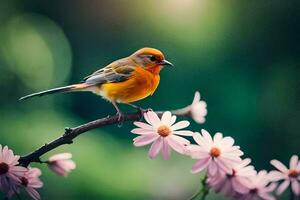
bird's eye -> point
(152, 58)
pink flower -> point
(162, 133)
(289, 176)
(215, 154)
(198, 109)
(10, 173)
(31, 181)
(237, 181)
(61, 163)
(259, 187)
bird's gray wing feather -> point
(110, 74)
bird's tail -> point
(69, 88)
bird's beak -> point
(165, 62)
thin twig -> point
(71, 133)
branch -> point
(71, 133)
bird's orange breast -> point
(140, 85)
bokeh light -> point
(36, 50)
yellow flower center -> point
(294, 173)
(215, 152)
(3, 168)
(163, 131)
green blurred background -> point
(243, 57)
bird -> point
(125, 80)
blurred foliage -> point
(242, 56)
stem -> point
(203, 191)
(195, 195)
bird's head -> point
(150, 59)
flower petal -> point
(173, 120)
(33, 193)
(152, 118)
(166, 118)
(196, 97)
(165, 150)
(144, 139)
(199, 139)
(206, 136)
(239, 186)
(141, 131)
(226, 189)
(218, 137)
(247, 171)
(224, 165)
(60, 156)
(196, 152)
(277, 164)
(180, 140)
(180, 125)
(212, 168)
(227, 142)
(276, 175)
(177, 146)
(5, 154)
(184, 133)
(10, 158)
(231, 157)
(155, 148)
(296, 187)
(58, 170)
(36, 184)
(243, 163)
(266, 196)
(143, 125)
(18, 170)
(293, 162)
(282, 187)
(200, 165)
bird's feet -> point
(120, 118)
(139, 109)
(142, 111)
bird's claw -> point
(149, 109)
(120, 118)
(120, 115)
(142, 111)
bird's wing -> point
(110, 74)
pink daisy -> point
(289, 176)
(237, 181)
(198, 109)
(61, 163)
(259, 187)
(31, 181)
(215, 154)
(10, 173)
(162, 133)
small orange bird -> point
(123, 81)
